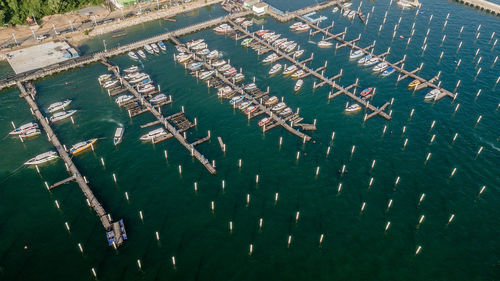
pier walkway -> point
(165, 121)
(95, 57)
(352, 44)
(320, 76)
(482, 5)
(291, 15)
(91, 199)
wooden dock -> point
(92, 201)
(403, 72)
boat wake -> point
(311, 42)
(16, 171)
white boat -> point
(123, 99)
(30, 133)
(224, 91)
(149, 49)
(154, 134)
(42, 158)
(224, 68)
(193, 43)
(390, 70)
(298, 85)
(244, 105)
(236, 100)
(279, 42)
(295, 25)
(275, 69)
(271, 58)
(324, 44)
(131, 69)
(139, 78)
(183, 58)
(103, 77)
(58, 106)
(336, 9)
(351, 15)
(268, 35)
(162, 45)
(273, 38)
(141, 54)
(286, 112)
(239, 20)
(219, 63)
(353, 108)
(302, 28)
(158, 98)
(223, 28)
(364, 59)
(155, 48)
(298, 53)
(117, 138)
(291, 47)
(371, 61)
(247, 23)
(346, 5)
(432, 95)
(271, 101)
(356, 54)
(280, 106)
(110, 84)
(346, 12)
(264, 121)
(289, 70)
(206, 74)
(380, 67)
(81, 146)
(213, 54)
(203, 52)
(238, 77)
(298, 74)
(58, 116)
(250, 87)
(133, 55)
(146, 88)
(24, 128)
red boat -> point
(261, 32)
(251, 109)
(366, 92)
(264, 121)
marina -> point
(300, 171)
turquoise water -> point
(355, 246)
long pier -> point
(92, 201)
(95, 57)
(291, 15)
(482, 5)
(165, 121)
(315, 73)
(352, 44)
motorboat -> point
(203, 52)
(144, 82)
(131, 75)
(236, 100)
(123, 99)
(140, 78)
(271, 101)
(251, 109)
(291, 47)
(361, 17)
(298, 53)
(246, 42)
(298, 74)
(285, 45)
(247, 23)
(346, 5)
(184, 57)
(213, 55)
(432, 95)
(261, 32)
(264, 121)
(110, 84)
(154, 134)
(195, 66)
(61, 115)
(351, 15)
(381, 66)
(250, 87)
(244, 105)
(268, 35)
(149, 49)
(230, 72)
(366, 92)
(303, 28)
(238, 77)
(289, 70)
(295, 25)
(224, 68)
(206, 74)
(162, 45)
(103, 77)
(239, 20)
(353, 108)
(346, 12)
(414, 84)
(131, 69)
(58, 106)
(287, 111)
(298, 85)
(223, 28)
(371, 61)
(388, 71)
(158, 98)
(30, 133)
(275, 69)
(141, 54)
(133, 55)
(193, 43)
(364, 59)
(336, 9)
(356, 54)
(82, 146)
(117, 138)
(155, 48)
(146, 88)
(219, 63)
(200, 46)
(280, 106)
(224, 91)
(271, 58)
(42, 158)
(24, 128)
(324, 44)
(181, 48)
(279, 41)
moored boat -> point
(103, 77)
(155, 48)
(149, 49)
(206, 74)
(414, 84)
(356, 54)
(251, 109)
(133, 55)
(224, 68)
(193, 43)
(195, 66)
(236, 100)
(432, 95)
(219, 63)
(162, 45)
(271, 101)
(280, 106)
(364, 59)
(230, 72)
(366, 92)
(246, 42)
(264, 121)
(381, 66)
(238, 77)
(23, 128)
(123, 99)
(371, 61)
(244, 105)
(109, 84)
(224, 91)
(287, 111)
(295, 25)
(275, 69)
(271, 58)
(336, 9)
(58, 116)
(82, 146)
(289, 70)
(153, 134)
(117, 138)
(223, 28)
(203, 52)
(388, 71)
(353, 108)
(298, 53)
(213, 55)
(247, 23)
(302, 28)
(324, 44)
(158, 98)
(141, 54)
(58, 106)
(298, 74)
(250, 87)
(42, 158)
(261, 32)
(30, 133)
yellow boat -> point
(414, 84)
(81, 146)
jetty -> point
(482, 5)
(288, 16)
(315, 72)
(177, 119)
(398, 66)
(92, 201)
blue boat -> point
(195, 66)
(162, 45)
(388, 71)
(236, 100)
